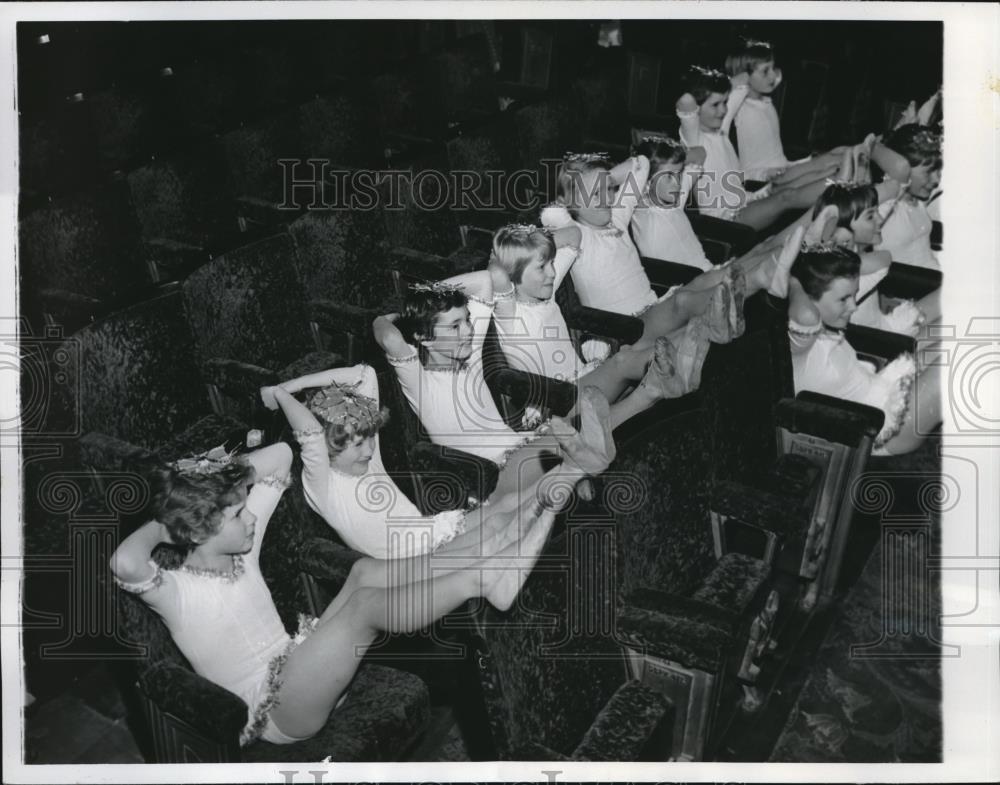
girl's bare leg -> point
(319, 670)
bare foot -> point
(505, 573)
(661, 376)
(783, 263)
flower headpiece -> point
(524, 231)
(830, 182)
(671, 143)
(711, 72)
(209, 462)
(585, 158)
(437, 287)
(825, 246)
(342, 404)
(749, 43)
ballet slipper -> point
(783, 263)
(592, 447)
(823, 225)
(691, 348)
(717, 316)
(862, 161)
(846, 171)
(661, 377)
(736, 282)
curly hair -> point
(920, 146)
(850, 200)
(420, 312)
(702, 82)
(817, 269)
(191, 505)
(514, 249)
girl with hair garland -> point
(821, 287)
(219, 610)
(346, 483)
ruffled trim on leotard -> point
(528, 439)
(906, 319)
(901, 374)
(258, 714)
(450, 523)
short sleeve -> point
(154, 581)
(480, 313)
(369, 383)
(801, 336)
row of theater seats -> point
(189, 179)
(722, 521)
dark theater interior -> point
(735, 570)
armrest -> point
(476, 475)
(237, 378)
(263, 211)
(633, 718)
(327, 560)
(70, 309)
(692, 632)
(667, 274)
(173, 259)
(909, 281)
(108, 453)
(335, 318)
(418, 264)
(212, 709)
(741, 237)
(524, 388)
(826, 417)
(622, 328)
(878, 343)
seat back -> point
(550, 664)
(339, 256)
(86, 243)
(665, 540)
(248, 305)
(836, 436)
(186, 198)
(137, 378)
(741, 383)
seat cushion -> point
(385, 711)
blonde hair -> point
(515, 246)
(569, 174)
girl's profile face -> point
(594, 196)
(665, 184)
(763, 79)
(452, 334)
(924, 179)
(713, 111)
(867, 227)
(236, 530)
(354, 458)
(537, 279)
(838, 302)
